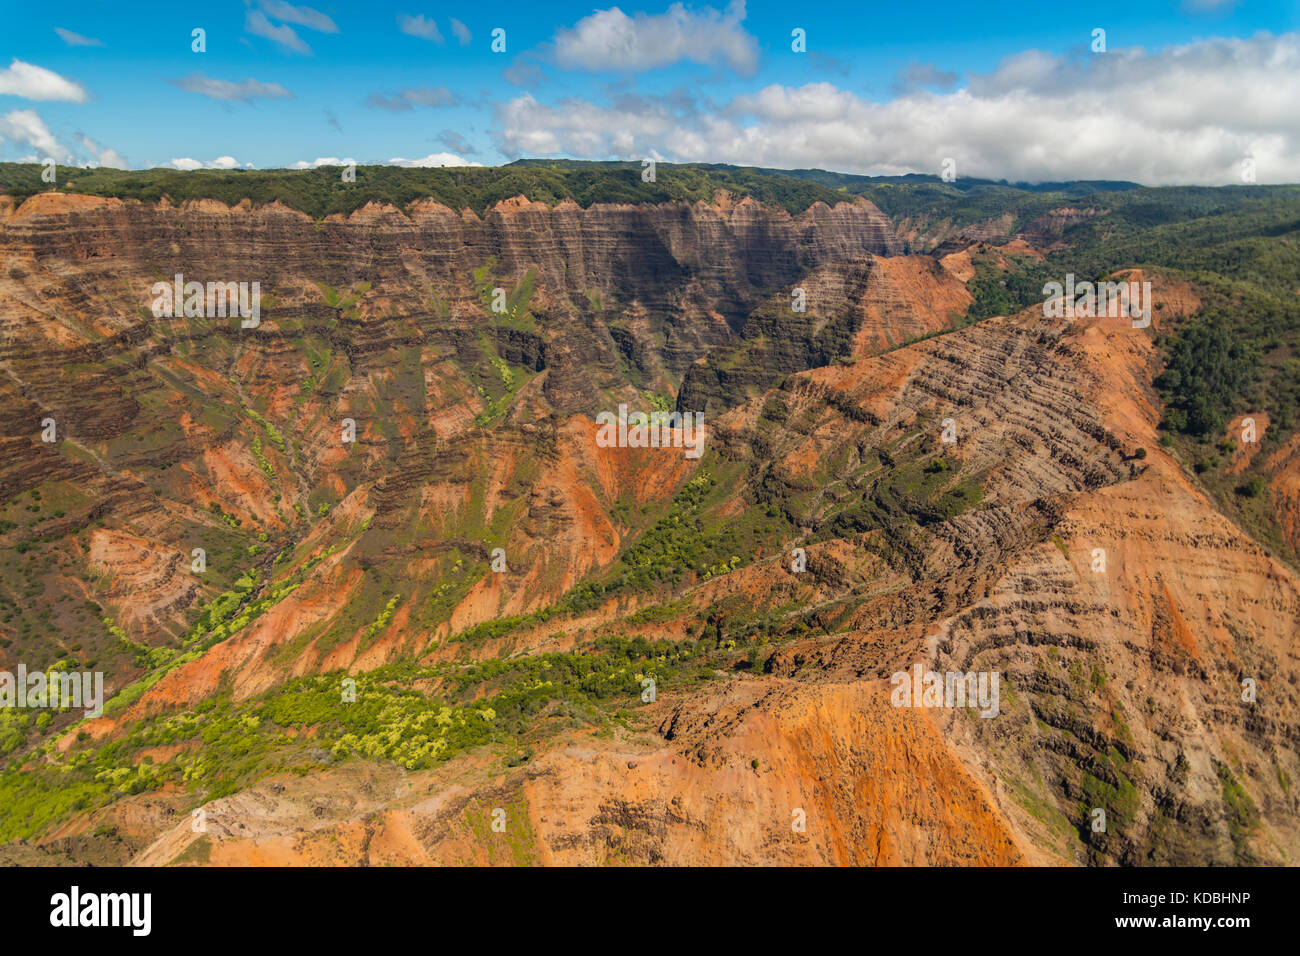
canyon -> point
(991, 495)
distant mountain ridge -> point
(925, 210)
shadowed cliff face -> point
(383, 318)
(770, 735)
(653, 287)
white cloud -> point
(103, 156)
(1186, 114)
(187, 164)
(244, 92)
(37, 83)
(321, 161)
(576, 127)
(75, 39)
(434, 159)
(26, 126)
(611, 40)
(284, 36)
(418, 26)
(461, 32)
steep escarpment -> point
(401, 394)
(837, 312)
(669, 280)
(1111, 605)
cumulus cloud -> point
(1185, 114)
(461, 32)
(103, 156)
(75, 39)
(37, 83)
(611, 40)
(187, 164)
(413, 97)
(321, 161)
(434, 159)
(244, 92)
(27, 127)
(418, 26)
(576, 127)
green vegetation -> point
(686, 540)
(226, 745)
(262, 463)
(320, 192)
(1245, 234)
(345, 303)
(909, 493)
(224, 615)
(381, 622)
(499, 392)
(276, 438)
(1006, 292)
(1208, 378)
(1242, 814)
(1106, 785)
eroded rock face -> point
(1122, 686)
(382, 317)
(694, 270)
(845, 310)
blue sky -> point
(1184, 90)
